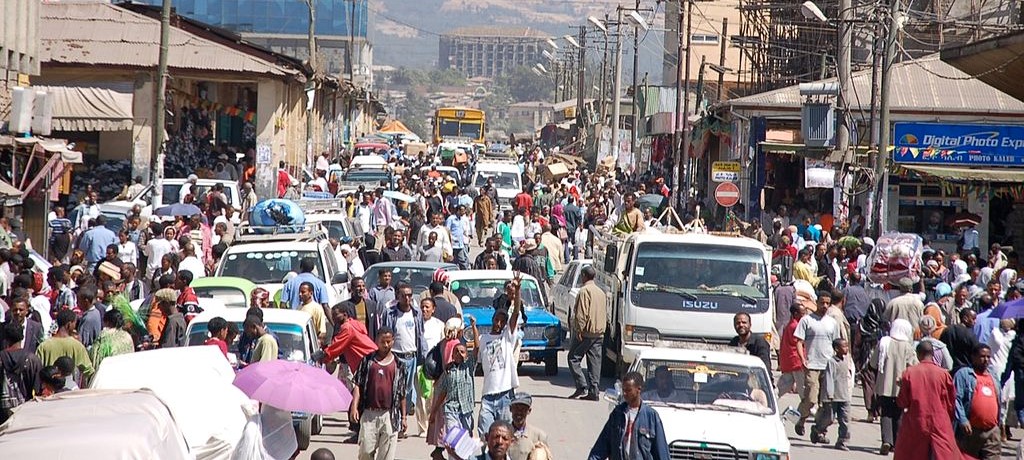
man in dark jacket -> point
(21, 366)
(755, 344)
(32, 331)
(366, 310)
(614, 443)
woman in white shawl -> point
(1007, 279)
(895, 353)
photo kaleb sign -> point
(725, 171)
(958, 144)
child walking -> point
(836, 392)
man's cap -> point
(523, 398)
(166, 295)
(193, 178)
(906, 283)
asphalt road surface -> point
(573, 425)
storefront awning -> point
(830, 156)
(9, 191)
(970, 174)
(91, 108)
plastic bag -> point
(895, 256)
(426, 386)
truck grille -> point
(534, 333)
(689, 450)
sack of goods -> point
(268, 215)
(895, 256)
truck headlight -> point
(552, 333)
(768, 456)
(638, 334)
(467, 335)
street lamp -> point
(599, 24)
(547, 55)
(572, 41)
(551, 43)
(811, 11)
(540, 67)
(636, 20)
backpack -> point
(11, 395)
(433, 366)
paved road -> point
(573, 425)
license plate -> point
(524, 356)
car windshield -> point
(725, 385)
(262, 267)
(726, 270)
(366, 175)
(291, 344)
(501, 179)
(231, 297)
(417, 277)
(480, 293)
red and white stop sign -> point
(727, 194)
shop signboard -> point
(725, 171)
(819, 174)
(959, 144)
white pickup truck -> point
(713, 404)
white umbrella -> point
(396, 195)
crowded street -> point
(511, 230)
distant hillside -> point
(404, 33)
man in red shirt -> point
(351, 341)
(284, 180)
(977, 407)
(790, 364)
(524, 201)
(188, 302)
(218, 328)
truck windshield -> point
(705, 383)
(695, 272)
(501, 179)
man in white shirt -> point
(90, 210)
(156, 249)
(443, 237)
(433, 331)
(191, 263)
(186, 188)
(497, 355)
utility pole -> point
(604, 74)
(580, 81)
(721, 59)
(882, 158)
(843, 73)
(311, 85)
(617, 96)
(633, 109)
(160, 122)
(677, 115)
(686, 102)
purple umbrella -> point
(1014, 309)
(293, 386)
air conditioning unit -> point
(818, 124)
(42, 114)
(21, 110)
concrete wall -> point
(144, 110)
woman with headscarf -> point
(941, 355)
(935, 311)
(368, 252)
(895, 353)
(1007, 279)
(436, 426)
(871, 326)
(984, 276)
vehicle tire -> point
(609, 367)
(304, 431)
(318, 425)
(551, 365)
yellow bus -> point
(459, 123)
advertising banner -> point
(958, 144)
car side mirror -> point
(340, 278)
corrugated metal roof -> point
(926, 84)
(104, 34)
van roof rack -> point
(248, 233)
(321, 206)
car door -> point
(577, 281)
(560, 293)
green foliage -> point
(524, 85)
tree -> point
(525, 85)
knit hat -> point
(166, 295)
